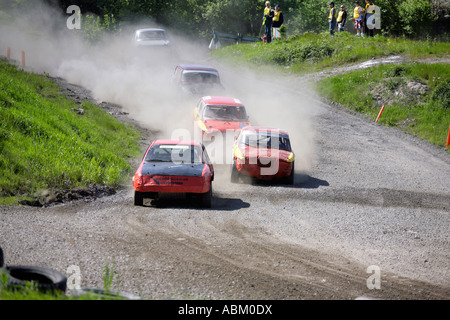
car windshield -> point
(232, 113)
(195, 77)
(152, 35)
(269, 140)
(177, 153)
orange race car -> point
(219, 115)
(263, 153)
(174, 166)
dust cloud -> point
(140, 80)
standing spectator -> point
(267, 22)
(367, 14)
(342, 18)
(277, 21)
(358, 19)
(332, 18)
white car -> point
(151, 37)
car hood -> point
(253, 152)
(172, 169)
(223, 125)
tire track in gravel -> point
(265, 263)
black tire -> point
(46, 279)
(138, 198)
(290, 178)
(206, 198)
(234, 174)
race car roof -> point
(172, 141)
(197, 67)
(222, 100)
(264, 129)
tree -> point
(416, 17)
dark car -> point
(174, 166)
(197, 79)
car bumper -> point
(171, 184)
(266, 170)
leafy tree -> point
(416, 17)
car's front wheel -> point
(234, 174)
(290, 178)
(138, 198)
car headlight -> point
(291, 158)
(238, 153)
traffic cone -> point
(23, 58)
(379, 115)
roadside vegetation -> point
(45, 144)
(416, 95)
(30, 290)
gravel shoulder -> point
(365, 196)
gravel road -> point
(368, 200)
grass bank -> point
(416, 95)
(313, 52)
(45, 145)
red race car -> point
(263, 153)
(174, 166)
(219, 115)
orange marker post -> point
(8, 53)
(448, 137)
(23, 58)
(379, 115)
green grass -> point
(46, 145)
(314, 52)
(424, 115)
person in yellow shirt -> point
(267, 21)
(277, 21)
(332, 18)
(358, 19)
(341, 19)
(367, 14)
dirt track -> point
(365, 195)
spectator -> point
(267, 22)
(358, 19)
(277, 21)
(367, 14)
(341, 19)
(332, 18)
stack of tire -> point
(46, 279)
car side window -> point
(202, 109)
(199, 109)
